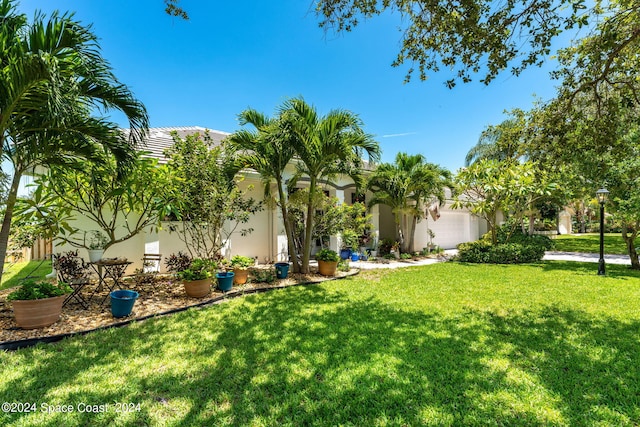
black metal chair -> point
(149, 272)
(72, 270)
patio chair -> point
(72, 270)
(149, 272)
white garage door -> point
(452, 228)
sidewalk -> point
(586, 257)
(549, 256)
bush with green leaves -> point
(327, 255)
(262, 275)
(32, 290)
(199, 269)
(241, 262)
(482, 251)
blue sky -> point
(232, 55)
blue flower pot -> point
(355, 256)
(225, 281)
(282, 270)
(122, 302)
(345, 253)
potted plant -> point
(395, 250)
(240, 265)
(327, 262)
(96, 245)
(197, 277)
(349, 241)
(38, 304)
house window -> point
(357, 198)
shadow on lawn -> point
(316, 356)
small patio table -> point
(108, 269)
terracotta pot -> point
(197, 288)
(241, 275)
(327, 268)
(38, 313)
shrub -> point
(482, 251)
(177, 262)
(262, 275)
(384, 246)
(199, 269)
(31, 290)
(327, 255)
(241, 262)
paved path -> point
(549, 256)
(586, 257)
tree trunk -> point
(492, 227)
(306, 245)
(412, 232)
(630, 239)
(532, 221)
(8, 214)
(291, 247)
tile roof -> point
(159, 139)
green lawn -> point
(447, 344)
(613, 243)
(13, 274)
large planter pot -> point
(197, 288)
(240, 276)
(282, 270)
(122, 302)
(345, 253)
(355, 256)
(38, 313)
(327, 268)
(95, 255)
(225, 281)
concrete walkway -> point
(586, 257)
(549, 256)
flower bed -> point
(168, 296)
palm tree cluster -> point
(53, 83)
(322, 147)
(407, 186)
(319, 146)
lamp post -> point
(601, 194)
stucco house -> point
(268, 241)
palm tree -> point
(268, 150)
(501, 142)
(405, 186)
(325, 146)
(52, 78)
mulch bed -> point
(165, 296)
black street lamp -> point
(602, 195)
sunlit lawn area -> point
(447, 344)
(613, 243)
(14, 273)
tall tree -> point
(500, 142)
(405, 186)
(268, 149)
(325, 146)
(207, 200)
(466, 36)
(52, 78)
